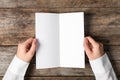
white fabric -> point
(16, 70)
(101, 67)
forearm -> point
(16, 70)
(102, 68)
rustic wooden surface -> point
(17, 23)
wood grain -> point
(8, 3)
(58, 3)
(32, 71)
(13, 27)
(64, 3)
(7, 53)
(60, 78)
(69, 71)
(16, 25)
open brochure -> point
(60, 37)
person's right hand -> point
(26, 50)
(92, 48)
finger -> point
(27, 44)
(87, 47)
(28, 41)
(92, 41)
(33, 47)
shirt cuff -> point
(101, 65)
(18, 66)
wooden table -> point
(17, 23)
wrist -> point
(23, 57)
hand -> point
(93, 49)
(26, 50)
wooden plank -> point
(12, 28)
(8, 3)
(32, 71)
(113, 52)
(60, 78)
(67, 3)
(57, 78)
(58, 3)
(16, 25)
(7, 54)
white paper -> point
(60, 38)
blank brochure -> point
(60, 40)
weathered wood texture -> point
(32, 71)
(58, 3)
(58, 78)
(7, 53)
(17, 23)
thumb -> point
(33, 47)
(92, 41)
(87, 47)
(28, 41)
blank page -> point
(60, 38)
(71, 28)
(47, 33)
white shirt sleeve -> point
(16, 70)
(102, 68)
